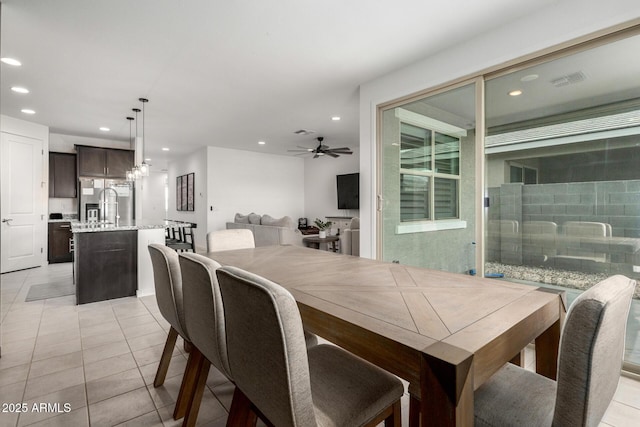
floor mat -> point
(50, 290)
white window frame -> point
(434, 126)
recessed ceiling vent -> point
(569, 79)
(304, 132)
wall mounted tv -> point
(348, 191)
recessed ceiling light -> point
(261, 142)
(335, 118)
(516, 92)
(19, 89)
(104, 129)
(28, 111)
(165, 149)
(11, 61)
(147, 160)
(529, 78)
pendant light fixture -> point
(144, 166)
(136, 168)
(130, 174)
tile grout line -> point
(137, 365)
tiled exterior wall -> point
(536, 208)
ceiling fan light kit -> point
(322, 149)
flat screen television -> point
(348, 191)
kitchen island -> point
(112, 260)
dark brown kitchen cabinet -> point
(118, 163)
(62, 175)
(106, 265)
(59, 242)
(104, 162)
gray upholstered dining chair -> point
(282, 381)
(204, 317)
(168, 284)
(226, 240)
(591, 349)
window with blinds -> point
(429, 174)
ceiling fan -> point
(322, 149)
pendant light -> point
(144, 167)
(130, 174)
(136, 168)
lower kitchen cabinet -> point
(60, 236)
(106, 265)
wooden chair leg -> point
(414, 411)
(188, 385)
(194, 403)
(241, 413)
(395, 419)
(163, 366)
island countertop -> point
(140, 224)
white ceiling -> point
(223, 73)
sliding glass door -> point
(545, 166)
(562, 153)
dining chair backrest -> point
(204, 314)
(226, 240)
(168, 284)
(268, 359)
(591, 351)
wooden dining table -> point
(445, 333)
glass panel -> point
(575, 129)
(446, 198)
(516, 174)
(415, 148)
(447, 154)
(427, 155)
(530, 176)
(414, 197)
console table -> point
(318, 243)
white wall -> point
(553, 25)
(246, 181)
(321, 199)
(152, 194)
(195, 162)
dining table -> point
(445, 333)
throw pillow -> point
(254, 218)
(241, 219)
(285, 221)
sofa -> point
(350, 238)
(269, 231)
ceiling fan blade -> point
(299, 151)
(316, 156)
(340, 151)
(329, 153)
(341, 148)
(306, 148)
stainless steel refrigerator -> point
(104, 199)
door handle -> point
(6, 219)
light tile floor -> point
(101, 359)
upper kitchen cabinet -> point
(62, 175)
(104, 162)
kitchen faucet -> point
(105, 203)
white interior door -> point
(22, 228)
